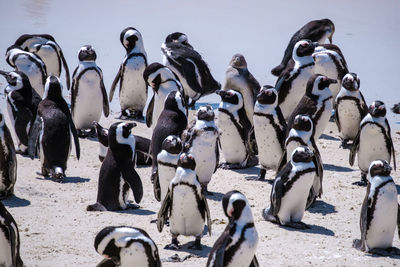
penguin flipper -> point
(65, 65)
(106, 107)
(106, 263)
(337, 115)
(156, 186)
(282, 161)
(114, 84)
(34, 133)
(163, 212)
(364, 218)
(318, 161)
(130, 176)
(217, 144)
(391, 144)
(13, 235)
(219, 249)
(149, 112)
(254, 262)
(276, 195)
(207, 209)
(398, 220)
(354, 148)
(75, 135)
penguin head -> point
(205, 113)
(87, 53)
(379, 167)
(131, 39)
(178, 38)
(172, 144)
(268, 96)
(377, 109)
(104, 244)
(230, 96)
(318, 85)
(238, 61)
(330, 28)
(120, 136)
(175, 102)
(187, 161)
(2, 122)
(303, 48)
(52, 88)
(236, 207)
(302, 154)
(156, 73)
(303, 123)
(16, 80)
(351, 82)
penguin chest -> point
(372, 146)
(245, 253)
(384, 218)
(321, 118)
(33, 72)
(158, 107)
(123, 193)
(350, 118)
(293, 202)
(203, 150)
(326, 66)
(232, 145)
(290, 147)
(134, 255)
(5, 248)
(88, 101)
(165, 175)
(133, 92)
(185, 216)
(269, 148)
(50, 59)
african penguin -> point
(396, 108)
(373, 140)
(117, 173)
(132, 87)
(185, 204)
(30, 64)
(46, 47)
(163, 81)
(291, 188)
(52, 132)
(350, 108)
(126, 247)
(237, 245)
(379, 212)
(167, 161)
(188, 64)
(9, 240)
(201, 140)
(270, 129)
(235, 131)
(88, 93)
(315, 30)
(291, 84)
(316, 103)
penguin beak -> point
(230, 212)
(221, 93)
(330, 81)
(330, 38)
(315, 44)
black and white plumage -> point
(8, 161)
(46, 47)
(396, 108)
(291, 188)
(163, 81)
(88, 93)
(373, 140)
(185, 205)
(315, 30)
(380, 212)
(30, 64)
(201, 140)
(188, 64)
(126, 247)
(9, 240)
(317, 103)
(270, 129)
(235, 131)
(117, 173)
(350, 108)
(237, 245)
(52, 132)
(291, 84)
(132, 87)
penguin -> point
(9, 240)
(235, 131)
(51, 131)
(291, 84)
(22, 103)
(301, 134)
(163, 81)
(291, 188)
(396, 108)
(380, 212)
(185, 205)
(8, 161)
(201, 140)
(30, 64)
(270, 129)
(117, 173)
(142, 146)
(132, 87)
(316, 103)
(126, 246)
(350, 108)
(167, 161)
(172, 121)
(46, 47)
(237, 245)
(315, 30)
(373, 140)
(188, 64)
(88, 93)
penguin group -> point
(275, 126)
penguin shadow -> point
(15, 202)
(138, 211)
(398, 189)
(328, 137)
(66, 180)
(216, 196)
(331, 167)
(393, 256)
(252, 172)
(322, 207)
(203, 253)
(314, 229)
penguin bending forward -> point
(117, 173)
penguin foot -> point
(260, 177)
(392, 251)
(58, 177)
(21, 152)
(363, 181)
(297, 225)
(44, 172)
(132, 206)
(266, 213)
(252, 161)
(344, 144)
(229, 166)
(357, 244)
(174, 244)
(82, 133)
(205, 190)
(96, 207)
(6, 194)
(137, 115)
(197, 244)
